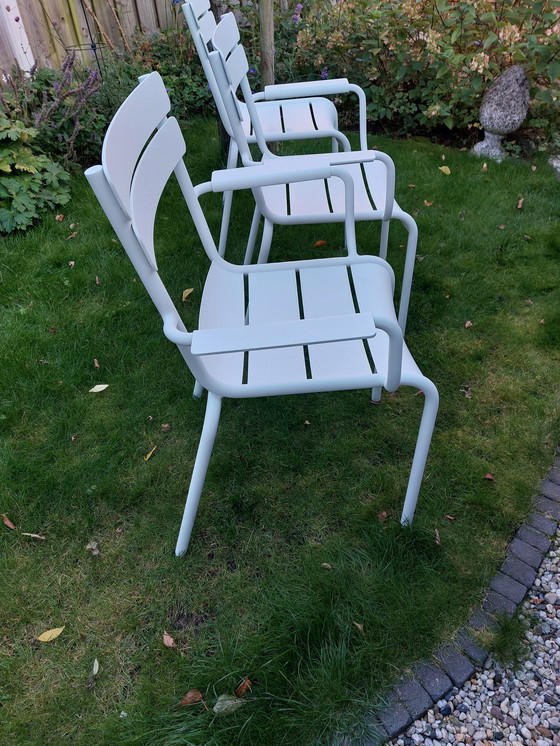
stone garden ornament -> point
(503, 110)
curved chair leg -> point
(410, 258)
(205, 446)
(227, 199)
(198, 389)
(376, 394)
(252, 236)
(384, 241)
(266, 241)
(431, 399)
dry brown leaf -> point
(529, 301)
(97, 280)
(501, 227)
(541, 321)
(72, 235)
(490, 477)
(73, 437)
(428, 204)
(307, 422)
(520, 203)
(149, 455)
(71, 263)
(442, 157)
(445, 170)
(168, 641)
(533, 168)
(186, 294)
(359, 626)
(484, 168)
(59, 217)
(34, 536)
(165, 428)
(191, 698)
(411, 186)
(91, 546)
(244, 687)
(382, 516)
(6, 521)
(326, 566)
(319, 243)
(451, 517)
(468, 324)
(73, 226)
(96, 362)
(50, 634)
(438, 540)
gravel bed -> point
(503, 705)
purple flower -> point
(297, 13)
(324, 73)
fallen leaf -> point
(529, 301)
(96, 362)
(533, 168)
(168, 641)
(53, 330)
(359, 626)
(227, 703)
(97, 280)
(326, 566)
(50, 634)
(484, 168)
(186, 294)
(468, 324)
(411, 186)
(319, 243)
(428, 204)
(489, 477)
(419, 257)
(165, 428)
(191, 698)
(382, 516)
(541, 321)
(71, 263)
(244, 687)
(72, 226)
(445, 170)
(6, 521)
(451, 517)
(34, 536)
(307, 422)
(438, 540)
(527, 238)
(72, 235)
(501, 227)
(73, 437)
(442, 157)
(520, 203)
(60, 217)
(95, 669)
(91, 546)
(467, 392)
(462, 216)
(99, 387)
(149, 455)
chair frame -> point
(234, 329)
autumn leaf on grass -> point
(72, 235)
(228, 703)
(149, 455)
(444, 170)
(326, 566)
(99, 387)
(191, 698)
(359, 626)
(244, 687)
(520, 203)
(34, 536)
(91, 546)
(95, 669)
(428, 204)
(438, 540)
(501, 227)
(484, 167)
(168, 641)
(319, 243)
(490, 477)
(6, 521)
(468, 324)
(96, 363)
(50, 634)
(186, 294)
(59, 217)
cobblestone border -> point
(454, 663)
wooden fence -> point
(43, 31)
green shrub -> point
(426, 63)
(30, 182)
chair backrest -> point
(141, 150)
(202, 24)
(230, 67)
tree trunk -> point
(266, 25)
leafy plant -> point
(30, 182)
(59, 105)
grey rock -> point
(503, 110)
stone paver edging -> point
(454, 663)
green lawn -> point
(298, 575)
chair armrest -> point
(306, 88)
(284, 334)
(280, 171)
